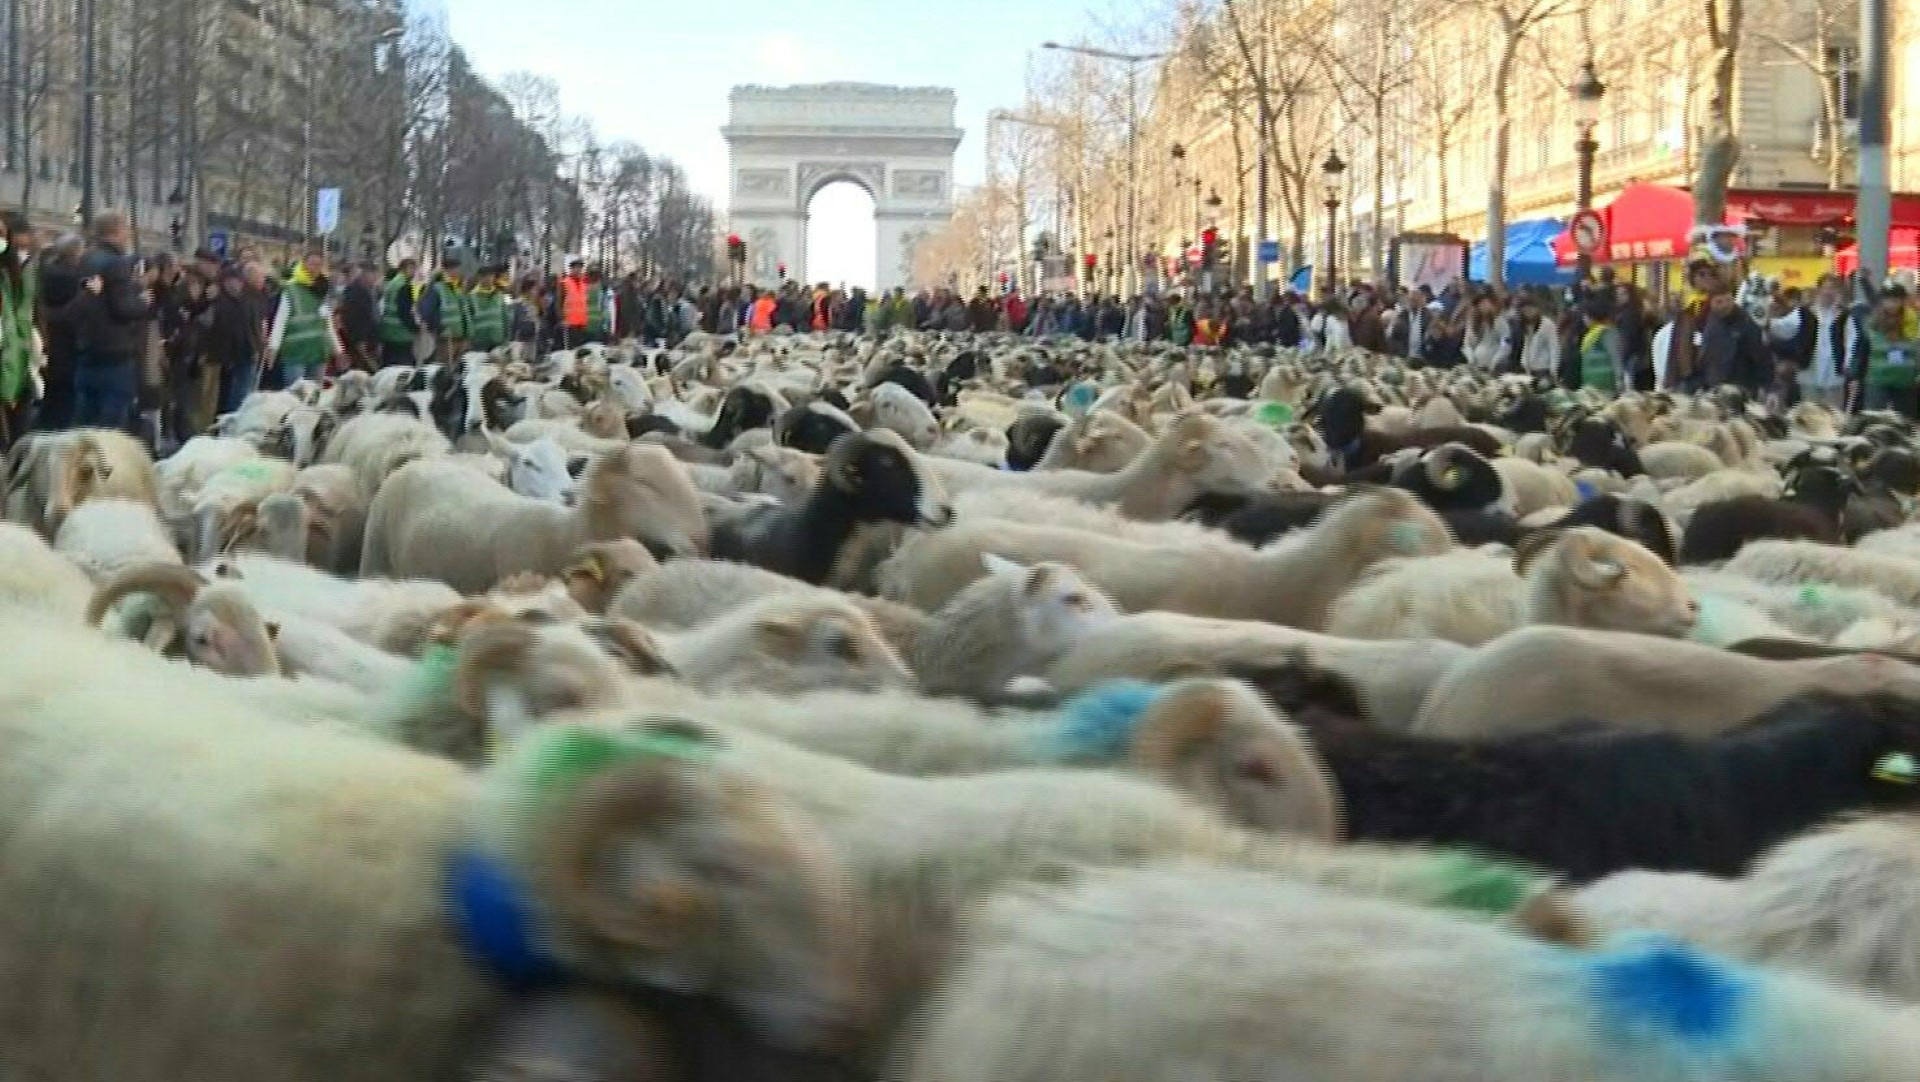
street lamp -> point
(177, 228)
(1331, 170)
(1587, 92)
(1133, 62)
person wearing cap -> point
(1886, 354)
(575, 302)
(443, 311)
(302, 340)
(487, 311)
(399, 325)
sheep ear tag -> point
(1897, 768)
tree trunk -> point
(1502, 144)
(1377, 260)
(1720, 143)
(1442, 147)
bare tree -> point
(1443, 109)
(1813, 34)
(1719, 142)
(1368, 70)
(1515, 21)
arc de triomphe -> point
(786, 143)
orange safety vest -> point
(761, 321)
(822, 312)
(573, 301)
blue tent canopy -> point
(1302, 280)
(1530, 260)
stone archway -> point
(787, 143)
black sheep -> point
(1528, 414)
(1256, 520)
(742, 410)
(1451, 477)
(1028, 438)
(642, 424)
(915, 383)
(1598, 443)
(868, 477)
(812, 427)
(958, 372)
(1589, 801)
(1811, 511)
(1341, 417)
(1636, 520)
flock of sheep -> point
(963, 710)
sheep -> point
(394, 616)
(227, 501)
(1817, 611)
(106, 534)
(1030, 435)
(981, 446)
(1015, 622)
(1101, 441)
(52, 473)
(1340, 415)
(1535, 488)
(1393, 676)
(211, 624)
(1811, 511)
(896, 408)
(1587, 802)
(1794, 563)
(600, 571)
(1633, 681)
(179, 477)
(812, 427)
(1580, 578)
(745, 407)
(1839, 903)
(374, 445)
(1677, 458)
(536, 470)
(783, 644)
(1015, 505)
(1196, 454)
(1190, 970)
(869, 477)
(1293, 582)
(36, 579)
(909, 853)
(439, 520)
(301, 871)
(1901, 541)
(1724, 484)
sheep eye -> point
(843, 648)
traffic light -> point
(782, 268)
(1093, 261)
(1209, 246)
(736, 248)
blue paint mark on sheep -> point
(1098, 725)
(493, 919)
(1586, 490)
(1658, 985)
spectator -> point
(1731, 346)
(20, 355)
(399, 325)
(1886, 354)
(302, 339)
(360, 318)
(110, 328)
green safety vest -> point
(393, 331)
(16, 332)
(487, 319)
(596, 310)
(304, 341)
(1882, 371)
(1596, 360)
(454, 317)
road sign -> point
(326, 210)
(218, 242)
(1269, 251)
(1589, 232)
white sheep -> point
(896, 408)
(1293, 581)
(35, 578)
(374, 445)
(1531, 488)
(721, 823)
(1041, 509)
(394, 616)
(1841, 903)
(206, 844)
(230, 496)
(1540, 677)
(1187, 970)
(439, 520)
(1391, 677)
(1795, 563)
(1583, 577)
(1669, 459)
(1100, 441)
(51, 473)
(1813, 610)
(1902, 541)
(179, 476)
(107, 535)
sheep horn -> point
(173, 585)
(1531, 546)
(489, 649)
(632, 645)
(1445, 474)
(625, 802)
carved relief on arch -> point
(871, 175)
(762, 182)
(919, 184)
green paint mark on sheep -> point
(1275, 415)
(258, 472)
(1464, 880)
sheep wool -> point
(1097, 725)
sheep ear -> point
(499, 444)
(1192, 455)
(785, 636)
(1587, 567)
(448, 628)
(1000, 567)
(1530, 547)
(1178, 726)
(487, 655)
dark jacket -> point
(360, 317)
(233, 337)
(1732, 350)
(112, 326)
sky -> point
(657, 72)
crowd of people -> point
(91, 334)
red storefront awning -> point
(1645, 221)
(1813, 208)
(1903, 250)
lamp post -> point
(177, 226)
(1331, 170)
(1133, 62)
(89, 108)
(1587, 92)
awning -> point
(1813, 208)
(1530, 257)
(1902, 251)
(1644, 222)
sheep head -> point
(82, 472)
(1052, 605)
(1378, 523)
(1218, 741)
(511, 675)
(1587, 577)
(660, 865)
(213, 625)
(886, 480)
(642, 491)
(803, 642)
(536, 599)
(1214, 455)
(600, 570)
